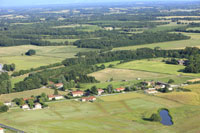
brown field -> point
(123, 74)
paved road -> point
(11, 128)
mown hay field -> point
(124, 113)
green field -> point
(166, 27)
(194, 28)
(156, 66)
(121, 113)
(44, 55)
(193, 42)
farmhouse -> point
(77, 93)
(7, 103)
(59, 85)
(120, 89)
(1, 67)
(151, 91)
(181, 62)
(100, 91)
(25, 106)
(56, 97)
(38, 106)
(162, 85)
(90, 99)
(1, 130)
(108, 28)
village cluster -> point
(148, 87)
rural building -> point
(162, 85)
(59, 85)
(151, 91)
(170, 89)
(108, 28)
(7, 103)
(56, 97)
(25, 106)
(100, 91)
(38, 106)
(89, 99)
(181, 62)
(120, 89)
(1, 130)
(77, 93)
(1, 67)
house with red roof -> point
(56, 97)
(100, 91)
(59, 85)
(89, 99)
(120, 89)
(77, 93)
(1, 130)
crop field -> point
(193, 42)
(26, 94)
(124, 113)
(44, 55)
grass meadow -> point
(193, 42)
(44, 55)
(120, 113)
(156, 66)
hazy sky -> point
(45, 2)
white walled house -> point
(56, 97)
(38, 106)
(1, 130)
(7, 103)
(151, 91)
(100, 91)
(77, 93)
(25, 106)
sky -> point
(48, 2)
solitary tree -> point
(55, 92)
(155, 117)
(94, 90)
(31, 52)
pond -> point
(166, 118)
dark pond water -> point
(166, 118)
